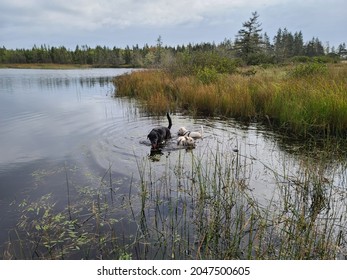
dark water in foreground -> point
(59, 124)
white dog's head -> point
(186, 141)
(182, 131)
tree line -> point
(250, 47)
(254, 47)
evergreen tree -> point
(288, 43)
(127, 55)
(319, 47)
(158, 50)
(248, 41)
(278, 45)
(268, 48)
(298, 48)
(314, 48)
(341, 48)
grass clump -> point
(194, 207)
(77, 232)
(305, 100)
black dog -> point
(160, 134)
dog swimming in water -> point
(186, 141)
(194, 134)
(160, 134)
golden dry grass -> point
(304, 101)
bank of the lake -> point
(304, 100)
(57, 66)
(44, 66)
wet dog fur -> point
(194, 134)
(159, 134)
(185, 141)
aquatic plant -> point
(200, 206)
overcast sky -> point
(119, 23)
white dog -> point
(194, 134)
(185, 141)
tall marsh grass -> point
(303, 100)
(200, 206)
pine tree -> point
(314, 48)
(278, 45)
(248, 41)
(288, 43)
(341, 48)
(298, 44)
(158, 50)
(268, 48)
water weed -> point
(197, 206)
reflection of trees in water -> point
(89, 82)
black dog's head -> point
(159, 134)
(154, 138)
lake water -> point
(65, 127)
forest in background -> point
(250, 47)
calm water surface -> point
(66, 123)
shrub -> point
(260, 58)
(310, 69)
(191, 63)
(207, 75)
(301, 59)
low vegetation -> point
(200, 206)
(302, 99)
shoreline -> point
(56, 66)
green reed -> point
(199, 205)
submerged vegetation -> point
(199, 207)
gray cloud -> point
(121, 22)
